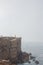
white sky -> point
(22, 18)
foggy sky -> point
(22, 18)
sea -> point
(36, 48)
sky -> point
(23, 18)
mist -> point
(22, 18)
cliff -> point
(10, 50)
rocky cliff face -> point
(10, 49)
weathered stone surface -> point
(10, 47)
(25, 56)
(4, 62)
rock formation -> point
(10, 49)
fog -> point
(22, 18)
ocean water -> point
(36, 48)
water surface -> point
(36, 49)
